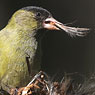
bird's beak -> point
(52, 24)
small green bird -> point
(19, 52)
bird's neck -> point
(27, 41)
(23, 38)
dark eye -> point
(38, 14)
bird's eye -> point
(38, 14)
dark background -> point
(61, 53)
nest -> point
(41, 85)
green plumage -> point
(18, 50)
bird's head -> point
(32, 17)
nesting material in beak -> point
(52, 24)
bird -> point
(20, 54)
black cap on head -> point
(40, 13)
(48, 22)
